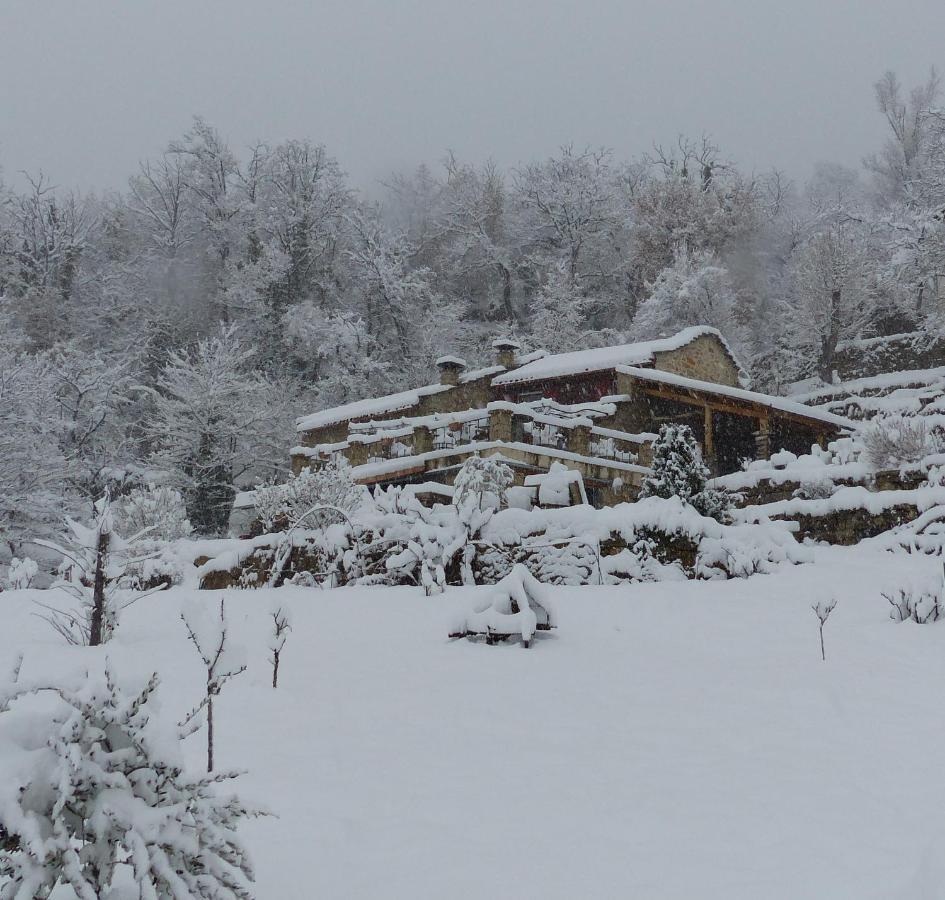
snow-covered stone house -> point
(594, 411)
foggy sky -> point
(87, 89)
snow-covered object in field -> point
(517, 606)
(94, 797)
(578, 362)
(22, 572)
(554, 486)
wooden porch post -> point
(763, 439)
(709, 443)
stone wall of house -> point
(705, 359)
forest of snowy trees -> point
(170, 333)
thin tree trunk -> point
(209, 725)
(98, 591)
(275, 668)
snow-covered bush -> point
(159, 512)
(22, 572)
(893, 441)
(480, 485)
(94, 795)
(677, 470)
(920, 601)
(280, 506)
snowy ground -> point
(668, 741)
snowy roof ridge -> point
(577, 362)
(370, 406)
(774, 402)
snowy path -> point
(669, 741)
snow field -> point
(670, 740)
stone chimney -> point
(505, 349)
(450, 369)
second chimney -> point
(450, 368)
(505, 350)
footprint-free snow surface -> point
(674, 740)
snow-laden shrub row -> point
(403, 542)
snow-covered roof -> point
(781, 404)
(372, 406)
(578, 362)
(451, 361)
(466, 377)
(506, 342)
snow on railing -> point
(606, 448)
(465, 432)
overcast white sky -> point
(89, 88)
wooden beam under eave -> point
(749, 410)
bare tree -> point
(218, 659)
(822, 609)
(280, 627)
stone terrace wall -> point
(900, 352)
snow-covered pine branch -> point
(95, 795)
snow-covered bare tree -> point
(214, 424)
(98, 574)
(281, 626)
(695, 290)
(221, 657)
(329, 487)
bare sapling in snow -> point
(281, 626)
(95, 797)
(221, 659)
(96, 573)
(822, 609)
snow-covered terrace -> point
(510, 452)
(543, 422)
